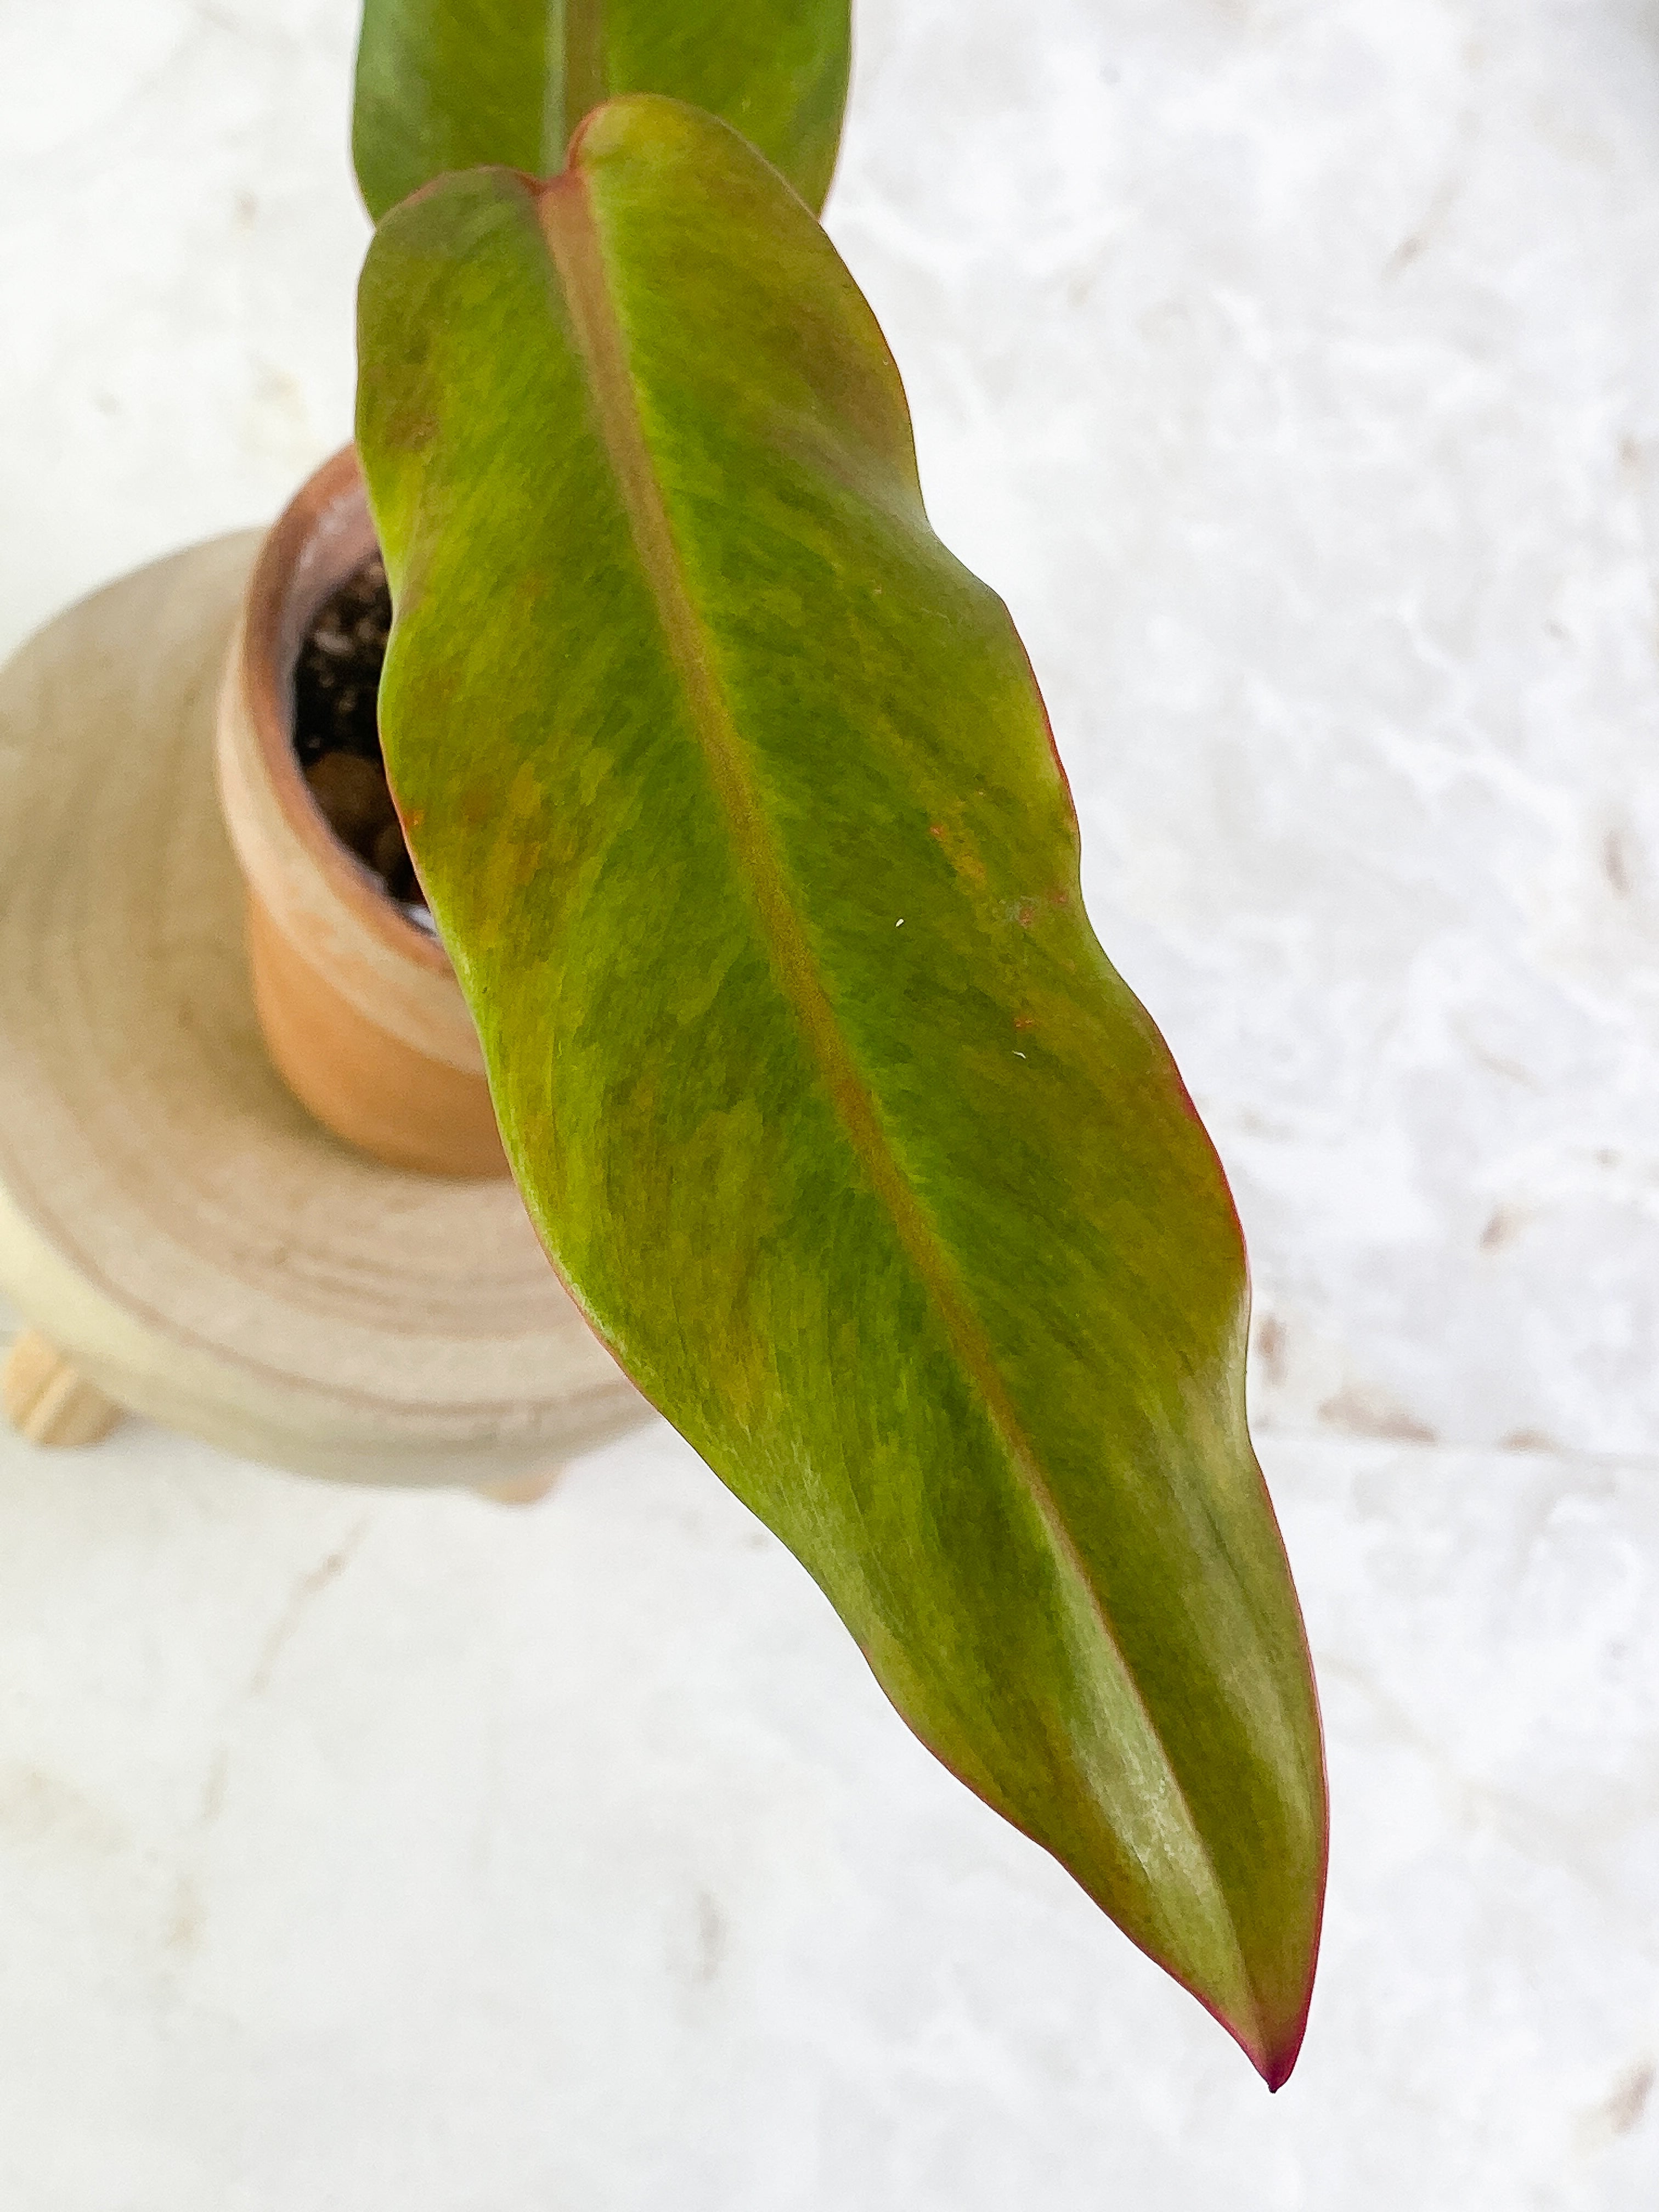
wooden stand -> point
(185, 1241)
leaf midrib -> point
(568, 225)
(583, 76)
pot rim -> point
(282, 601)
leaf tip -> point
(1275, 2046)
(1277, 2065)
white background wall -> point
(1293, 370)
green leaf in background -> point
(449, 84)
(738, 811)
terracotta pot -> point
(360, 1007)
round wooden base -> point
(196, 1246)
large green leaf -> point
(448, 84)
(739, 815)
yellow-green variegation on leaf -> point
(451, 84)
(738, 810)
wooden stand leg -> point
(45, 1400)
(521, 1490)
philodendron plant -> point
(737, 810)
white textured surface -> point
(1293, 369)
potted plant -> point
(356, 999)
(757, 933)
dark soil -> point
(337, 731)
